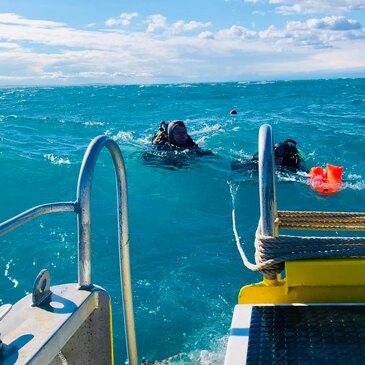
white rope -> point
(245, 260)
(272, 252)
(61, 356)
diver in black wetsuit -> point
(286, 155)
(171, 138)
(174, 136)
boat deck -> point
(297, 334)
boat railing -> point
(82, 208)
(273, 249)
(267, 189)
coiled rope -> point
(336, 221)
(272, 252)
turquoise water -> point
(186, 269)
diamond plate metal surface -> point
(307, 335)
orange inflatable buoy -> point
(326, 182)
(233, 111)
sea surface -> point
(186, 270)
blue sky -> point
(163, 41)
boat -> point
(315, 314)
(72, 323)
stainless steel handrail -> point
(35, 212)
(82, 208)
(83, 199)
(268, 209)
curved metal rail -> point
(82, 208)
(35, 212)
(268, 209)
(83, 199)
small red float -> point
(233, 111)
(326, 182)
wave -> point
(360, 185)
(11, 116)
(55, 160)
(92, 123)
(187, 85)
(123, 136)
(207, 129)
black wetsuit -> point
(287, 150)
(164, 140)
(161, 141)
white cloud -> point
(334, 23)
(272, 32)
(236, 32)
(158, 23)
(14, 19)
(331, 59)
(317, 33)
(181, 26)
(206, 35)
(288, 7)
(8, 45)
(324, 32)
(33, 51)
(123, 19)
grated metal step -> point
(297, 334)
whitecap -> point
(360, 185)
(57, 160)
(353, 177)
(201, 139)
(213, 356)
(93, 123)
(207, 129)
(123, 136)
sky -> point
(79, 42)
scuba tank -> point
(160, 136)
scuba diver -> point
(172, 147)
(286, 155)
(172, 136)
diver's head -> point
(280, 150)
(177, 133)
(287, 154)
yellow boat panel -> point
(330, 272)
(311, 281)
(256, 294)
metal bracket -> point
(41, 287)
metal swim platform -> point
(316, 313)
(297, 334)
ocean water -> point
(186, 270)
